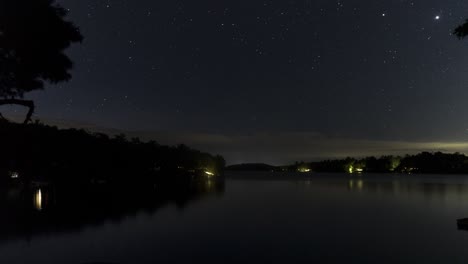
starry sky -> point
(269, 81)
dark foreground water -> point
(253, 218)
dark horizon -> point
(268, 148)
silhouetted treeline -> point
(41, 152)
(424, 162)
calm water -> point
(255, 218)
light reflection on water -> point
(263, 219)
(38, 200)
(453, 187)
(356, 184)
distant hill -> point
(252, 167)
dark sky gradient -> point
(270, 80)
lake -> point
(252, 218)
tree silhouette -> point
(462, 30)
(33, 37)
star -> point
(437, 17)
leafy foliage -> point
(462, 30)
(33, 37)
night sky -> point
(269, 81)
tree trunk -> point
(26, 103)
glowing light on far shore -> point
(14, 175)
(209, 173)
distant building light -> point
(209, 173)
(14, 174)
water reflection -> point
(369, 218)
(51, 209)
(399, 187)
(356, 184)
(435, 187)
(38, 200)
